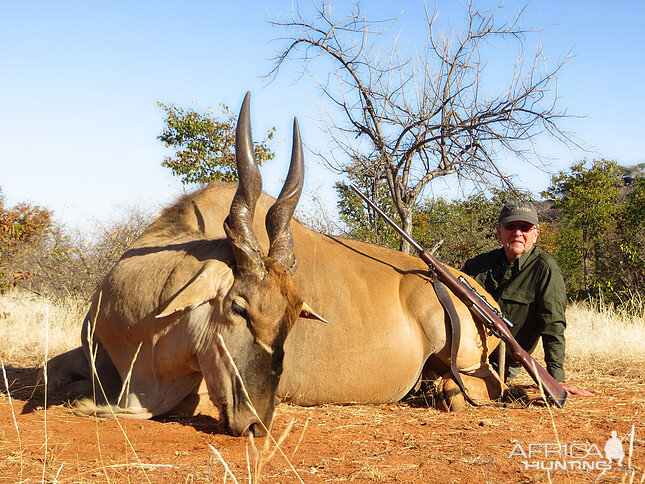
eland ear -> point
(199, 290)
(308, 313)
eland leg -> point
(197, 402)
(68, 375)
(483, 385)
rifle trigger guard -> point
(495, 332)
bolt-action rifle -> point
(482, 312)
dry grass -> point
(596, 329)
(605, 339)
(23, 319)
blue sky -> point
(79, 82)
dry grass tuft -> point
(22, 335)
(606, 338)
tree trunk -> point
(406, 222)
(585, 260)
(585, 269)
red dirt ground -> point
(402, 442)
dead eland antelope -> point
(195, 293)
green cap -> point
(518, 211)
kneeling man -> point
(528, 285)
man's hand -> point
(574, 390)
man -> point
(528, 285)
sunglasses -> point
(525, 227)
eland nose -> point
(243, 425)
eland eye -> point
(239, 310)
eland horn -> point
(239, 223)
(278, 219)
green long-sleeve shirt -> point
(532, 295)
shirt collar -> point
(521, 261)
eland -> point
(194, 318)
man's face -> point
(517, 238)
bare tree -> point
(410, 119)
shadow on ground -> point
(25, 385)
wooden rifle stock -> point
(483, 312)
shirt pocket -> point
(516, 304)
